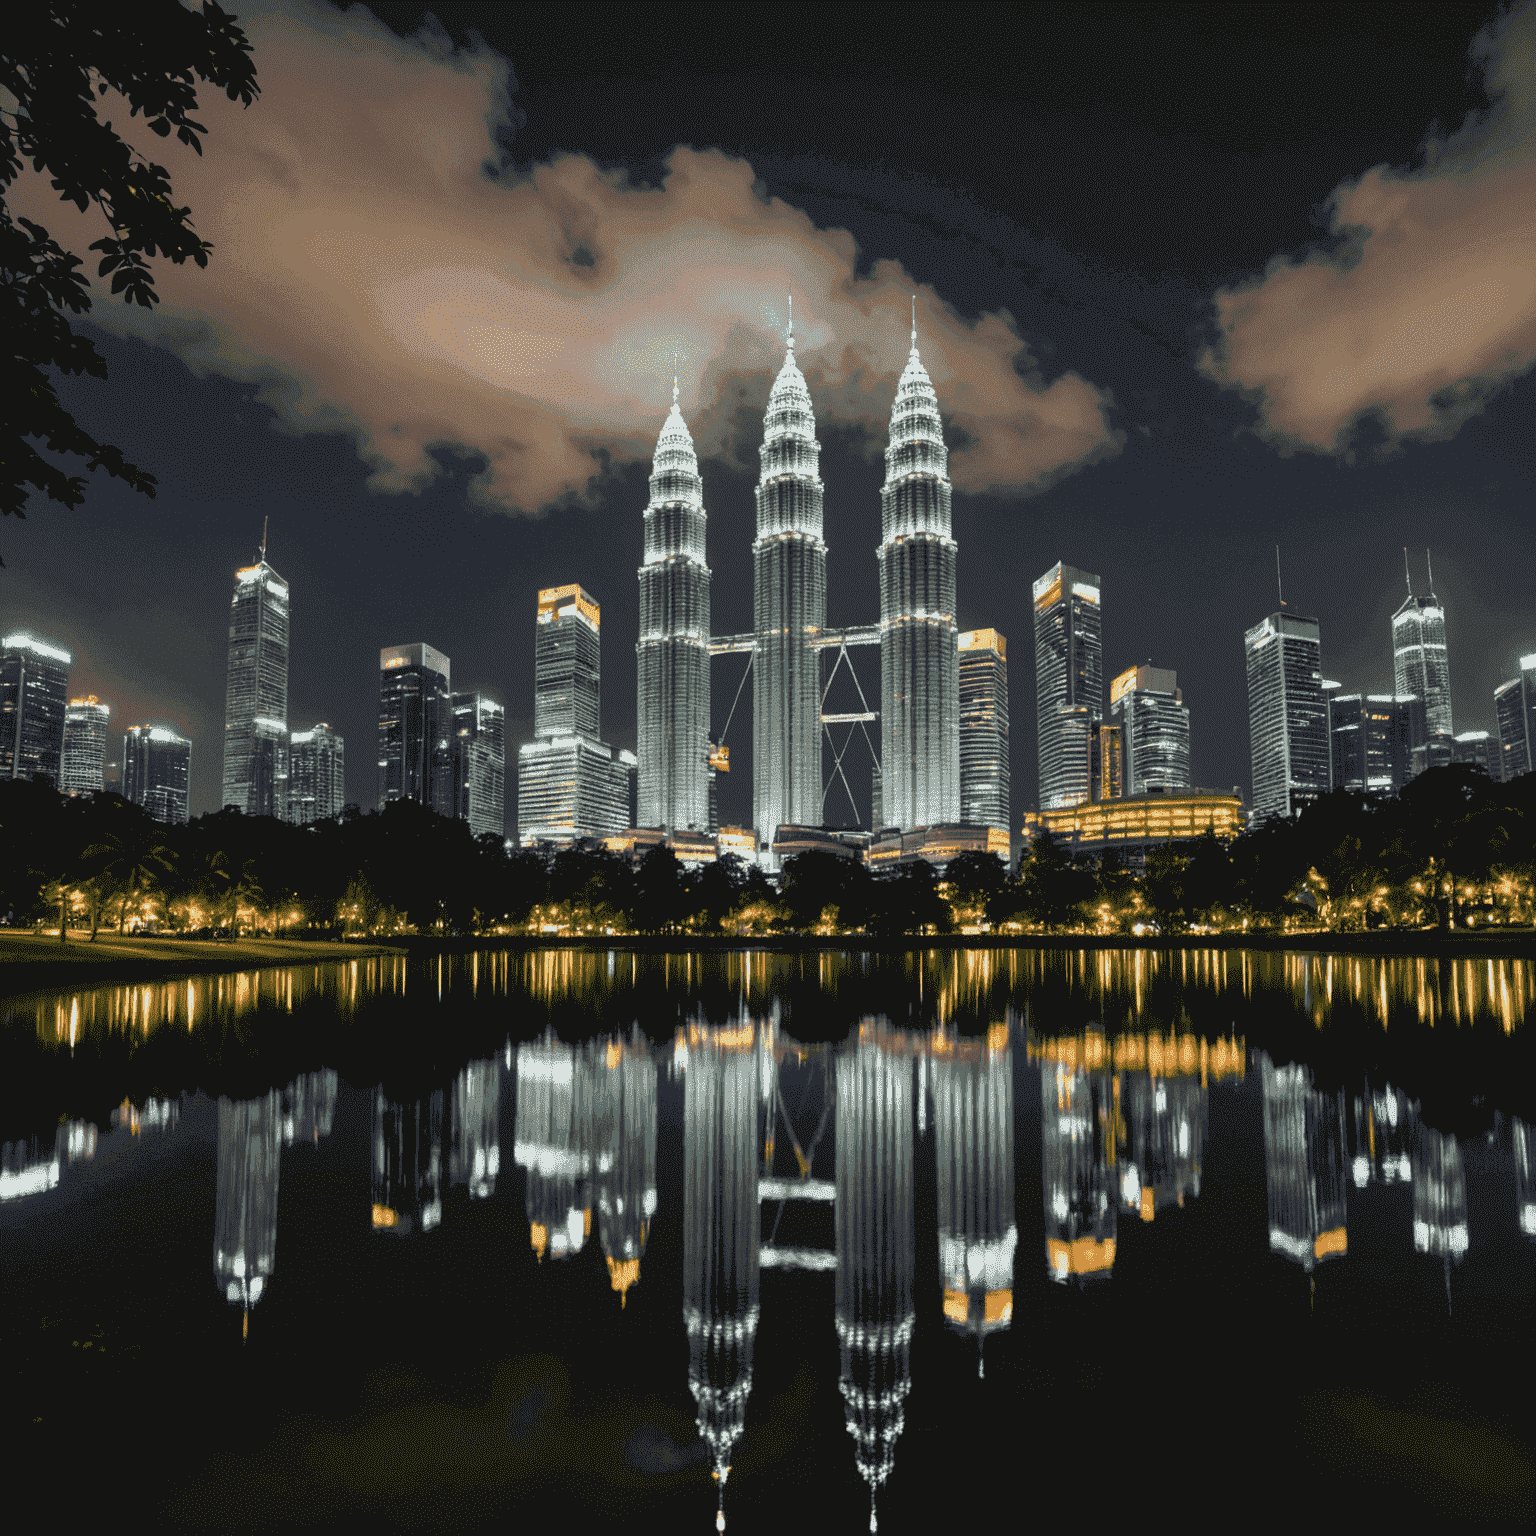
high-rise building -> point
(34, 689)
(1372, 739)
(1420, 665)
(1514, 706)
(984, 771)
(1287, 717)
(1069, 682)
(672, 655)
(84, 763)
(1106, 763)
(415, 728)
(1148, 705)
(919, 660)
(789, 609)
(1477, 749)
(480, 761)
(157, 771)
(567, 663)
(256, 692)
(316, 774)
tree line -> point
(1452, 850)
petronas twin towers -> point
(917, 634)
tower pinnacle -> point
(790, 339)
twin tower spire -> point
(918, 782)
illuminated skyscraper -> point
(256, 692)
(919, 662)
(973, 1125)
(789, 609)
(553, 1141)
(157, 771)
(316, 774)
(673, 650)
(1077, 1136)
(415, 728)
(474, 1156)
(624, 1146)
(34, 688)
(1514, 706)
(245, 1198)
(984, 770)
(407, 1163)
(1420, 665)
(1287, 715)
(1069, 682)
(84, 763)
(1148, 705)
(1372, 739)
(480, 762)
(1303, 1166)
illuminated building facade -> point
(245, 1197)
(1106, 763)
(1287, 715)
(624, 1153)
(317, 766)
(893, 849)
(1514, 706)
(1078, 1125)
(553, 1141)
(407, 1163)
(84, 762)
(1420, 665)
(256, 692)
(474, 1144)
(1135, 823)
(34, 690)
(1303, 1166)
(973, 1138)
(920, 745)
(1477, 749)
(789, 610)
(672, 655)
(1439, 1196)
(1148, 705)
(1069, 682)
(876, 1248)
(985, 781)
(480, 762)
(415, 728)
(1372, 738)
(157, 771)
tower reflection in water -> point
(973, 1142)
(1078, 1131)
(407, 1163)
(624, 1142)
(554, 1143)
(1384, 1125)
(474, 1157)
(1525, 1176)
(1439, 1200)
(1303, 1166)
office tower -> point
(624, 1146)
(1077, 1131)
(415, 728)
(1372, 738)
(256, 692)
(984, 772)
(34, 688)
(407, 1163)
(553, 1141)
(1287, 717)
(567, 663)
(309, 1106)
(919, 661)
(721, 1237)
(672, 656)
(157, 771)
(973, 1137)
(1477, 749)
(1419, 661)
(474, 1148)
(1514, 705)
(789, 609)
(874, 1307)
(245, 1198)
(1148, 705)
(316, 774)
(84, 764)
(1439, 1196)
(1303, 1166)
(480, 761)
(1106, 763)
(1069, 682)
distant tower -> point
(415, 727)
(673, 649)
(1148, 705)
(480, 762)
(1420, 664)
(1069, 682)
(34, 688)
(256, 691)
(919, 662)
(1373, 737)
(1287, 715)
(1514, 705)
(789, 608)
(984, 769)
(85, 746)
(316, 774)
(157, 771)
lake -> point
(842, 1239)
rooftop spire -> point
(1406, 571)
(791, 337)
(674, 380)
(914, 325)
(1430, 568)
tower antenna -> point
(264, 541)
(914, 322)
(674, 378)
(1428, 566)
(1278, 586)
(791, 341)
(1406, 571)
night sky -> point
(1191, 283)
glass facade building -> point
(256, 693)
(1420, 665)
(567, 663)
(1069, 682)
(157, 771)
(1514, 705)
(84, 764)
(672, 655)
(1287, 715)
(415, 728)
(1477, 749)
(984, 770)
(1148, 706)
(480, 761)
(919, 657)
(34, 690)
(316, 774)
(1372, 740)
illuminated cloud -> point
(372, 277)
(1428, 306)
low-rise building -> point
(1134, 823)
(893, 849)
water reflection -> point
(1303, 1166)
(1525, 1176)
(1383, 1132)
(407, 1163)
(475, 1153)
(1078, 1124)
(624, 1140)
(29, 1167)
(555, 1092)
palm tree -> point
(134, 864)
